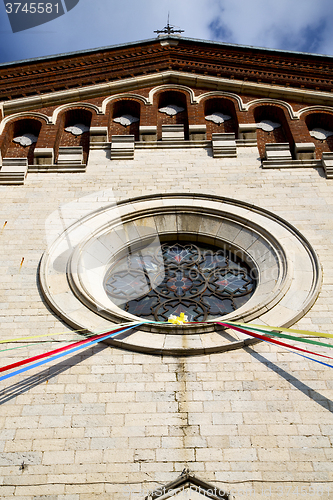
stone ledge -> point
(58, 168)
(291, 163)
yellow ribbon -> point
(18, 339)
(278, 329)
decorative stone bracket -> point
(224, 145)
(279, 156)
(247, 132)
(327, 162)
(173, 132)
(72, 155)
(13, 170)
(197, 132)
(98, 136)
(43, 156)
(278, 151)
(122, 147)
(305, 151)
(148, 133)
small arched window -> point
(125, 118)
(320, 126)
(21, 138)
(172, 111)
(73, 132)
(220, 116)
(272, 127)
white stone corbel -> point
(327, 162)
(224, 145)
(13, 170)
(43, 156)
(148, 132)
(173, 132)
(278, 151)
(305, 150)
(197, 132)
(70, 155)
(122, 147)
(98, 135)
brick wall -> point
(246, 64)
(292, 130)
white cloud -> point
(303, 25)
(286, 24)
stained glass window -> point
(204, 282)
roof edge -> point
(151, 40)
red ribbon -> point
(269, 339)
(61, 349)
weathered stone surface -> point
(107, 417)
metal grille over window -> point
(203, 282)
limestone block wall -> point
(113, 424)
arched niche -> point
(170, 98)
(217, 109)
(125, 118)
(279, 134)
(27, 128)
(319, 126)
(72, 137)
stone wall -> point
(107, 423)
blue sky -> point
(300, 25)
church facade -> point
(143, 181)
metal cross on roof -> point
(169, 29)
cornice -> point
(167, 77)
(172, 39)
(246, 64)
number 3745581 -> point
(32, 8)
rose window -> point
(204, 282)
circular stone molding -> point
(285, 266)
